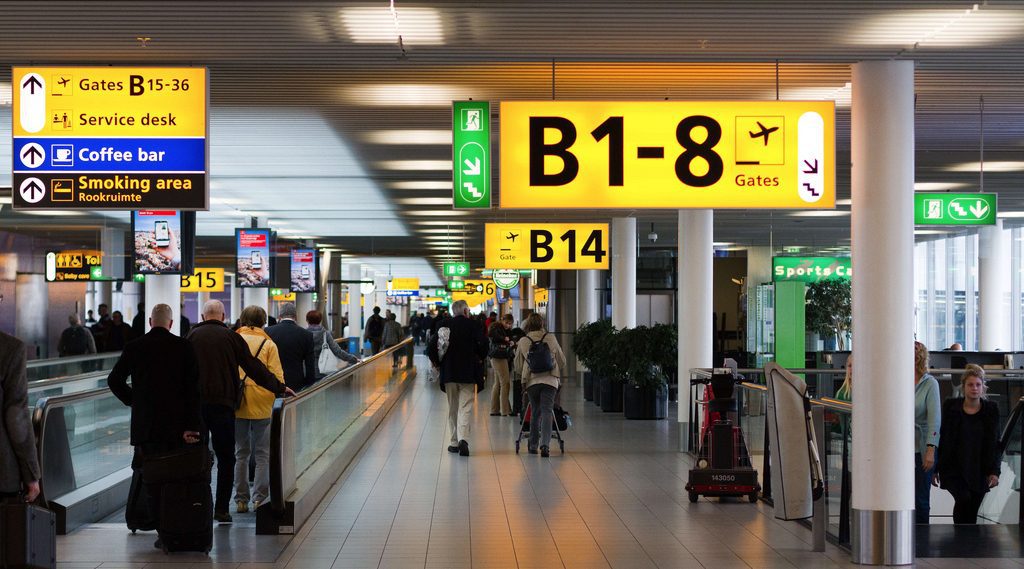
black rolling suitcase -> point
(28, 536)
(186, 504)
(137, 514)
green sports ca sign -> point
(810, 269)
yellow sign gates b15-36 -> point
(546, 245)
(776, 154)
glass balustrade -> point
(38, 370)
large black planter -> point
(611, 396)
(588, 386)
(598, 382)
(645, 402)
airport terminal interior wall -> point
(725, 292)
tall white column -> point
(624, 272)
(355, 310)
(256, 297)
(529, 302)
(105, 295)
(695, 304)
(236, 297)
(164, 289)
(993, 282)
(587, 283)
(303, 304)
(882, 226)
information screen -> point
(303, 270)
(253, 258)
(158, 242)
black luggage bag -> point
(137, 514)
(28, 536)
(186, 503)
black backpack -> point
(539, 359)
(77, 341)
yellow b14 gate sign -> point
(557, 154)
(546, 245)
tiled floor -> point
(616, 499)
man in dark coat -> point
(295, 346)
(374, 330)
(164, 393)
(458, 350)
(19, 466)
(221, 352)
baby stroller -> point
(560, 421)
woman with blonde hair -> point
(968, 446)
(927, 418)
(845, 392)
(252, 419)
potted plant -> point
(650, 351)
(611, 361)
(584, 344)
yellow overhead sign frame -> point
(203, 280)
(668, 154)
(546, 245)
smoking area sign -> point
(546, 245)
(668, 154)
(110, 138)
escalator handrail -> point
(46, 383)
(277, 417)
(71, 359)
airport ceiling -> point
(323, 123)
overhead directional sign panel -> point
(455, 269)
(110, 138)
(476, 292)
(546, 245)
(471, 154)
(667, 154)
(954, 209)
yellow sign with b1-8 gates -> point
(546, 245)
(668, 154)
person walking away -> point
(968, 463)
(321, 337)
(220, 353)
(118, 333)
(19, 465)
(457, 351)
(163, 395)
(502, 349)
(75, 340)
(374, 330)
(139, 322)
(185, 324)
(927, 420)
(295, 345)
(392, 336)
(252, 419)
(540, 361)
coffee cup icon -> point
(62, 154)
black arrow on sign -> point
(32, 83)
(32, 188)
(30, 151)
(811, 169)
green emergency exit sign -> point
(471, 154)
(456, 269)
(954, 209)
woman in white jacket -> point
(541, 376)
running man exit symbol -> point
(933, 209)
(472, 120)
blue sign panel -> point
(80, 155)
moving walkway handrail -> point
(71, 359)
(46, 383)
(280, 410)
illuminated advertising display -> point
(157, 238)
(303, 270)
(252, 257)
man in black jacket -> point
(164, 393)
(19, 466)
(459, 349)
(220, 352)
(295, 346)
(374, 330)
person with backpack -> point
(539, 360)
(75, 340)
(457, 351)
(374, 331)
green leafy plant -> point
(644, 355)
(589, 341)
(829, 309)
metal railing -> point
(55, 368)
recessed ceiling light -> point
(425, 201)
(442, 137)
(408, 94)
(939, 28)
(722, 243)
(422, 185)
(454, 231)
(407, 165)
(841, 94)
(993, 166)
(1010, 214)
(417, 26)
(929, 232)
(453, 223)
(438, 212)
(844, 202)
(820, 213)
(52, 213)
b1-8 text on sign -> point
(777, 154)
(546, 245)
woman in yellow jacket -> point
(252, 419)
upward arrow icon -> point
(31, 84)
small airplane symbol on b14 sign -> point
(512, 236)
(764, 132)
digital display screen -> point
(303, 270)
(158, 242)
(253, 258)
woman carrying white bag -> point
(332, 359)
